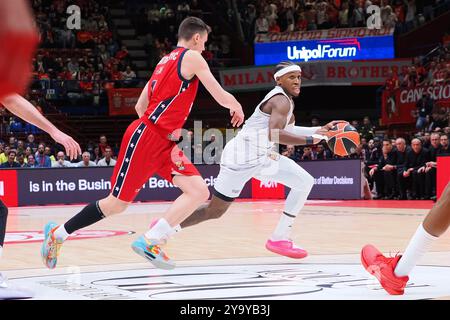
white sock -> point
(61, 233)
(175, 229)
(419, 245)
(161, 230)
(283, 229)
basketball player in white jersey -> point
(250, 154)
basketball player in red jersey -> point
(393, 272)
(19, 39)
(148, 148)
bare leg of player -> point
(212, 210)
(393, 272)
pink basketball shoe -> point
(286, 248)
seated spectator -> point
(86, 161)
(103, 144)
(30, 143)
(107, 160)
(430, 167)
(290, 153)
(21, 160)
(444, 150)
(31, 162)
(385, 172)
(61, 161)
(4, 154)
(96, 156)
(15, 125)
(128, 74)
(367, 130)
(48, 152)
(307, 154)
(42, 160)
(322, 153)
(261, 24)
(416, 158)
(11, 163)
(424, 108)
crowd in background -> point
(303, 15)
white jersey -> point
(251, 146)
(256, 128)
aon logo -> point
(268, 184)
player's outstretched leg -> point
(55, 235)
(392, 272)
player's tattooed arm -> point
(278, 107)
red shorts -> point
(143, 152)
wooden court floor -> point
(332, 232)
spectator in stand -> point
(322, 153)
(367, 129)
(107, 160)
(86, 161)
(430, 167)
(388, 17)
(27, 152)
(322, 17)
(302, 23)
(416, 158)
(31, 162)
(48, 152)
(42, 160)
(30, 143)
(61, 161)
(261, 24)
(308, 154)
(385, 172)
(343, 15)
(128, 74)
(4, 153)
(359, 16)
(274, 27)
(311, 16)
(97, 156)
(11, 163)
(21, 160)
(445, 147)
(424, 108)
(103, 144)
(15, 125)
(290, 153)
(13, 142)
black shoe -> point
(390, 197)
(380, 197)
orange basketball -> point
(343, 139)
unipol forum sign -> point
(349, 44)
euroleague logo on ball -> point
(343, 139)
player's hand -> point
(237, 115)
(317, 138)
(73, 149)
(406, 174)
(331, 124)
(372, 172)
(421, 169)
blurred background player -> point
(250, 154)
(393, 272)
(149, 147)
(19, 40)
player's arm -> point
(308, 131)
(143, 101)
(19, 106)
(194, 64)
(280, 107)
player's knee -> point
(307, 181)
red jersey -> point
(170, 95)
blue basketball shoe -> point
(150, 250)
(51, 246)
